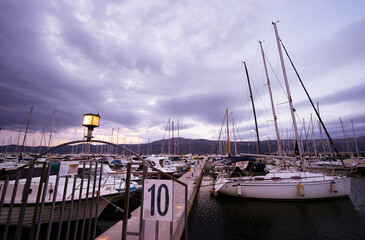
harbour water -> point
(223, 217)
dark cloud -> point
(343, 49)
(140, 63)
(349, 96)
(204, 107)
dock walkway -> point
(193, 180)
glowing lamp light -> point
(90, 121)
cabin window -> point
(259, 179)
(276, 178)
(296, 178)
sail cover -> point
(230, 160)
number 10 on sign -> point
(157, 200)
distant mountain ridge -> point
(202, 146)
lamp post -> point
(90, 121)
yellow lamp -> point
(90, 121)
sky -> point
(143, 64)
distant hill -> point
(202, 146)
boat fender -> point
(301, 190)
(211, 191)
(239, 190)
(333, 187)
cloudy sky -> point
(140, 63)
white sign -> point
(157, 199)
(68, 168)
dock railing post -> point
(126, 201)
(141, 220)
(186, 213)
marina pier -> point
(160, 229)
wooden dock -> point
(164, 230)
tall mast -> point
(272, 103)
(353, 130)
(320, 130)
(314, 139)
(288, 91)
(112, 140)
(345, 136)
(173, 139)
(178, 136)
(26, 129)
(228, 148)
(254, 111)
(50, 135)
(306, 138)
(168, 151)
(117, 149)
(234, 136)
(310, 100)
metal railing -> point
(34, 206)
(160, 173)
(39, 201)
(25, 212)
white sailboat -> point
(162, 163)
(279, 184)
(74, 198)
(284, 185)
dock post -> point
(126, 201)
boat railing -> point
(60, 204)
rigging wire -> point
(276, 76)
(220, 133)
(324, 127)
(163, 139)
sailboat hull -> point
(280, 188)
(85, 210)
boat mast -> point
(353, 130)
(173, 139)
(117, 149)
(26, 129)
(228, 147)
(272, 103)
(50, 135)
(345, 136)
(306, 133)
(254, 111)
(320, 131)
(234, 136)
(288, 91)
(169, 147)
(313, 137)
(319, 117)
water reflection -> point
(223, 217)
